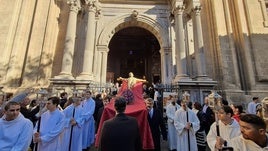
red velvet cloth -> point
(136, 109)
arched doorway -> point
(134, 49)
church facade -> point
(198, 45)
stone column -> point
(199, 46)
(180, 45)
(87, 71)
(67, 60)
(103, 56)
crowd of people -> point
(71, 124)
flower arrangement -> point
(128, 95)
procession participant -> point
(120, 133)
(88, 127)
(51, 127)
(253, 134)
(186, 123)
(156, 122)
(73, 126)
(229, 128)
(172, 135)
(14, 121)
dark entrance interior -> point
(136, 50)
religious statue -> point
(131, 88)
(131, 81)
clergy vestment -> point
(51, 128)
(241, 144)
(172, 134)
(227, 132)
(180, 121)
(15, 135)
(76, 140)
(88, 127)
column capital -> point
(74, 5)
(179, 9)
(93, 6)
(197, 9)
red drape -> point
(135, 109)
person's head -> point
(197, 106)
(225, 113)
(173, 101)
(33, 103)
(131, 74)
(255, 99)
(76, 101)
(206, 100)
(12, 110)
(120, 104)
(64, 95)
(26, 101)
(106, 100)
(87, 94)
(149, 103)
(252, 127)
(52, 103)
(238, 109)
(184, 104)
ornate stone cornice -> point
(75, 5)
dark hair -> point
(62, 94)
(224, 102)
(227, 109)
(54, 100)
(239, 107)
(254, 120)
(255, 98)
(33, 103)
(7, 106)
(197, 106)
(120, 104)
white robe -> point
(76, 142)
(15, 135)
(88, 127)
(227, 132)
(172, 135)
(180, 121)
(240, 144)
(51, 128)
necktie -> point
(151, 113)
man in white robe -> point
(88, 127)
(186, 128)
(73, 126)
(15, 130)
(253, 137)
(228, 127)
(172, 134)
(51, 127)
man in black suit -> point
(156, 123)
(120, 133)
(209, 114)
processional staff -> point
(75, 96)
(186, 97)
(42, 102)
(215, 102)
